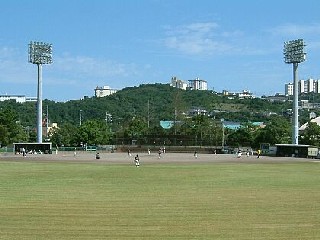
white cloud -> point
(91, 68)
(6, 52)
(313, 45)
(66, 69)
(14, 66)
(201, 39)
(210, 39)
(294, 30)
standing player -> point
(137, 160)
(239, 153)
(258, 153)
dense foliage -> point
(134, 113)
(10, 129)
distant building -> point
(104, 91)
(197, 84)
(289, 89)
(177, 83)
(305, 104)
(237, 125)
(304, 86)
(195, 111)
(231, 125)
(17, 98)
(227, 93)
(245, 94)
(278, 97)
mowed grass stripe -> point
(159, 201)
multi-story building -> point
(304, 86)
(198, 84)
(289, 89)
(104, 91)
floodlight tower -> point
(40, 53)
(294, 53)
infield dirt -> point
(145, 158)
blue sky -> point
(234, 45)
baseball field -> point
(178, 196)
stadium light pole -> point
(222, 142)
(40, 53)
(294, 53)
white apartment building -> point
(198, 84)
(304, 86)
(289, 89)
(104, 91)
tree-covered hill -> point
(134, 114)
(149, 101)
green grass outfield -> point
(63, 200)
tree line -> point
(133, 114)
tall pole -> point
(175, 121)
(222, 142)
(295, 130)
(294, 53)
(47, 121)
(39, 105)
(40, 53)
(148, 113)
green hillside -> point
(134, 113)
(156, 101)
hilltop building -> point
(177, 83)
(245, 94)
(17, 98)
(197, 84)
(195, 111)
(103, 91)
(278, 97)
